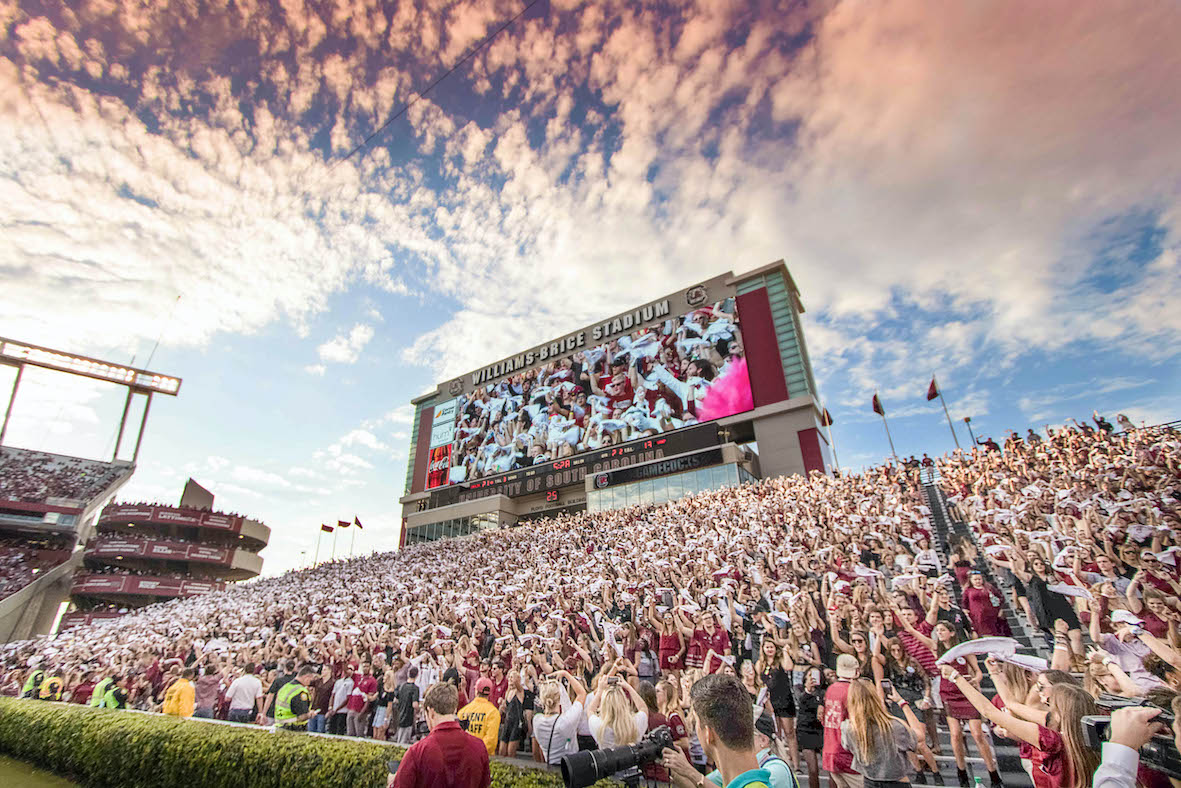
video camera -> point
(1159, 755)
(590, 766)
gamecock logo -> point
(601, 481)
(456, 387)
(696, 295)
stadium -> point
(570, 303)
(673, 485)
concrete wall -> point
(32, 610)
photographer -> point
(617, 713)
(1131, 729)
(726, 727)
(555, 728)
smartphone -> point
(887, 687)
(612, 680)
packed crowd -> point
(33, 476)
(823, 596)
(650, 381)
(21, 560)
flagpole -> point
(334, 530)
(948, 415)
(352, 541)
(831, 442)
(886, 424)
(319, 532)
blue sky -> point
(990, 192)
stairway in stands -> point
(1008, 761)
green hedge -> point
(100, 748)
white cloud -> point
(316, 369)
(346, 348)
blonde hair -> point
(872, 726)
(617, 713)
(551, 697)
(672, 697)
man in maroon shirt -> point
(499, 684)
(450, 755)
(838, 761)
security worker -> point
(51, 688)
(293, 703)
(32, 688)
(116, 696)
(99, 695)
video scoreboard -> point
(551, 476)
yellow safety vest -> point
(284, 716)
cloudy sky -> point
(989, 191)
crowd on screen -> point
(32, 476)
(823, 595)
(651, 381)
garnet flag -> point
(877, 405)
(357, 522)
(826, 419)
(343, 523)
(932, 390)
(326, 528)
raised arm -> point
(1018, 728)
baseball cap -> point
(765, 723)
(483, 686)
(1125, 617)
(847, 666)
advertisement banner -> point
(443, 424)
(116, 547)
(438, 466)
(131, 512)
(215, 555)
(99, 584)
(154, 586)
(175, 552)
(181, 518)
(196, 587)
(221, 521)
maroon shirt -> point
(449, 757)
(498, 691)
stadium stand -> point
(34, 476)
(772, 580)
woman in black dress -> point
(774, 670)
(810, 725)
(1048, 606)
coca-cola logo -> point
(441, 464)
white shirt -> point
(564, 728)
(341, 691)
(243, 691)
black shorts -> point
(785, 705)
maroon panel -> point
(762, 348)
(810, 448)
(99, 584)
(166, 515)
(420, 451)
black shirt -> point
(407, 696)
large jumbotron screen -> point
(670, 373)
